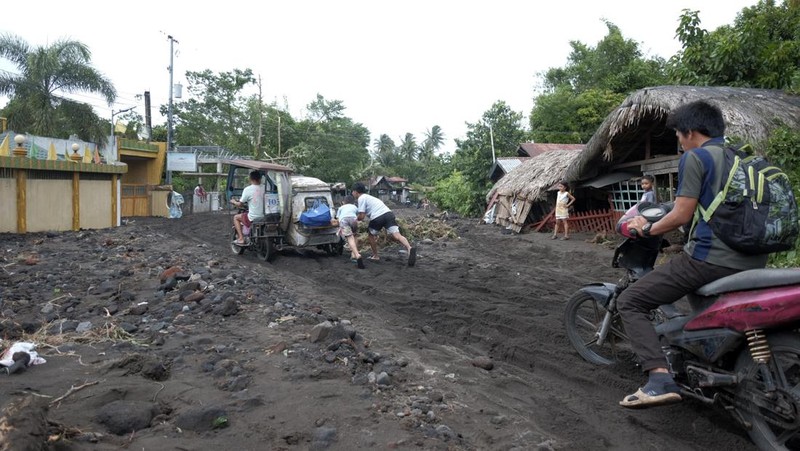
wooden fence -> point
(594, 221)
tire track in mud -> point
(502, 296)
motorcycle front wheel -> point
(775, 421)
(583, 318)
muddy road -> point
(502, 296)
(157, 337)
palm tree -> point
(408, 147)
(45, 72)
(434, 138)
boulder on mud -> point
(201, 418)
(124, 417)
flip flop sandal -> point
(360, 263)
(373, 258)
(641, 400)
(565, 238)
(553, 237)
(412, 256)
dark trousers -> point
(664, 285)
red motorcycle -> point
(733, 343)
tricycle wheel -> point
(238, 250)
(266, 249)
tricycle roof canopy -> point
(255, 164)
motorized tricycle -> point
(732, 343)
(286, 197)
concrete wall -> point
(49, 205)
(95, 204)
(8, 205)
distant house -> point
(389, 188)
(504, 165)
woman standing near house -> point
(564, 200)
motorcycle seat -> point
(751, 280)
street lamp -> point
(113, 113)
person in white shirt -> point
(253, 196)
(347, 215)
(380, 217)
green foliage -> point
(44, 74)
(332, 147)
(579, 96)
(473, 156)
(455, 193)
(215, 114)
(761, 49)
(566, 116)
(783, 149)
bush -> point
(455, 193)
(783, 149)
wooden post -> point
(22, 208)
(114, 200)
(76, 201)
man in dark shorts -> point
(380, 217)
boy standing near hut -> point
(564, 200)
(647, 185)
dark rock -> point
(169, 285)
(139, 310)
(85, 326)
(201, 418)
(196, 296)
(436, 396)
(107, 287)
(155, 371)
(191, 286)
(112, 308)
(124, 417)
(126, 296)
(320, 332)
(330, 357)
(229, 307)
(445, 433)
(483, 362)
(128, 327)
(383, 379)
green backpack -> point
(756, 212)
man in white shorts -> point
(380, 217)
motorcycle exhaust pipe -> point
(707, 378)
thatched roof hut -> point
(636, 133)
(528, 184)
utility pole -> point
(279, 134)
(260, 120)
(148, 121)
(172, 41)
(491, 137)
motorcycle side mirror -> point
(653, 213)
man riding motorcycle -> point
(699, 127)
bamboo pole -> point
(76, 201)
(22, 208)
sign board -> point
(181, 162)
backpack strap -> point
(707, 213)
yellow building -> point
(142, 192)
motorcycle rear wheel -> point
(238, 250)
(583, 318)
(784, 366)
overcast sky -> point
(399, 66)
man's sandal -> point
(642, 400)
